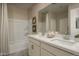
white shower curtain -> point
(4, 36)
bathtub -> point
(18, 48)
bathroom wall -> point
(35, 12)
(73, 12)
(17, 12)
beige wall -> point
(15, 12)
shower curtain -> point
(4, 35)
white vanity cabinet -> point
(34, 47)
(55, 51)
(39, 48)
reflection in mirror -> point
(42, 22)
(54, 18)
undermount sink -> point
(63, 41)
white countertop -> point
(73, 48)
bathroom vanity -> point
(42, 46)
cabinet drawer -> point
(55, 51)
(35, 41)
(45, 53)
(34, 50)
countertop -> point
(73, 48)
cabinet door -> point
(34, 50)
(55, 51)
(45, 53)
(30, 48)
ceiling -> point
(24, 5)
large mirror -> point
(54, 18)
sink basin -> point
(64, 42)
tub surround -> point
(72, 48)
